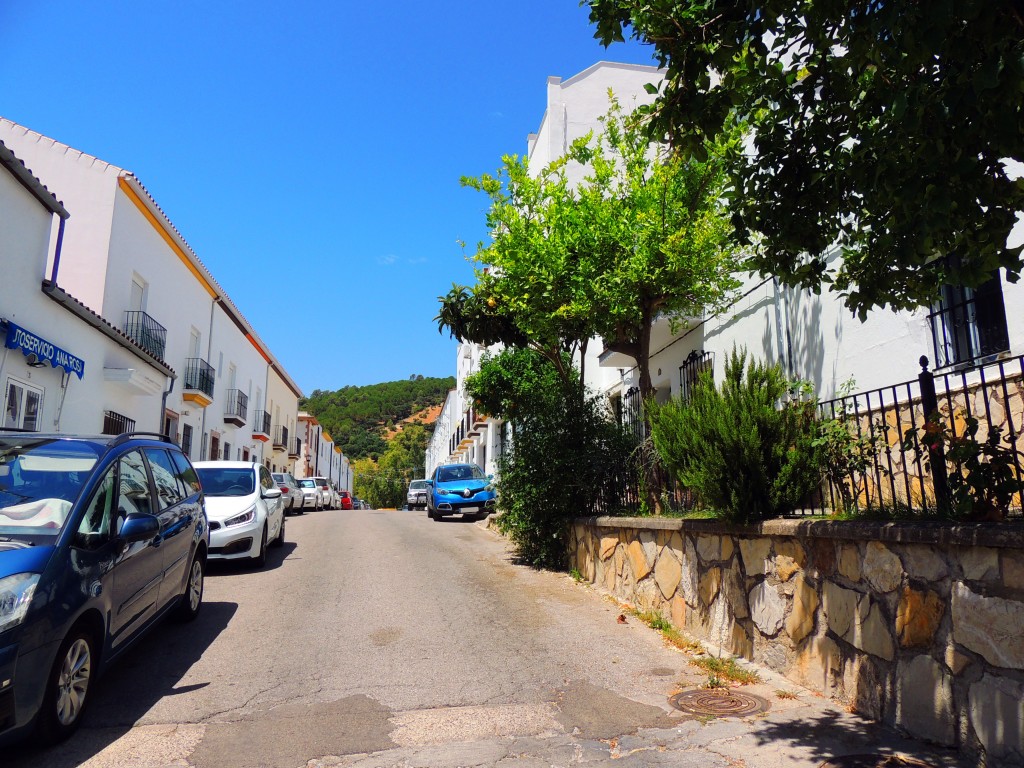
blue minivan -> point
(100, 537)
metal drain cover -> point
(875, 761)
(718, 702)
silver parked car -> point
(294, 501)
(416, 497)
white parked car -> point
(311, 495)
(326, 497)
(245, 510)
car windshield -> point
(459, 472)
(227, 481)
(417, 485)
(307, 484)
(40, 478)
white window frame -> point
(25, 389)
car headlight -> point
(246, 517)
(15, 596)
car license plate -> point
(469, 509)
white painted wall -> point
(86, 186)
(25, 248)
(815, 338)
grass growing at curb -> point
(576, 575)
(785, 694)
(724, 671)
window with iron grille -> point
(116, 424)
(227, 451)
(696, 364)
(969, 324)
(186, 439)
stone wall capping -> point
(1009, 535)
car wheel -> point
(67, 690)
(316, 506)
(192, 597)
(261, 559)
(279, 541)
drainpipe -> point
(163, 407)
(56, 251)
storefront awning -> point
(43, 350)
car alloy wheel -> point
(67, 691)
(261, 559)
(192, 599)
(73, 681)
(279, 541)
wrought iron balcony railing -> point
(261, 423)
(236, 407)
(280, 437)
(295, 448)
(146, 332)
(199, 375)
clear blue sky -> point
(310, 152)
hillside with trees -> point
(361, 418)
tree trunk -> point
(653, 476)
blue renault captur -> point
(100, 537)
(459, 489)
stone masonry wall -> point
(920, 627)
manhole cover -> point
(875, 761)
(719, 702)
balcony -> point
(146, 332)
(198, 387)
(236, 408)
(280, 438)
(295, 448)
(261, 426)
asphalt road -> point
(381, 638)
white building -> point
(127, 262)
(62, 366)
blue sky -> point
(310, 152)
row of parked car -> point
(313, 493)
(102, 537)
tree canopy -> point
(644, 234)
(879, 127)
(356, 417)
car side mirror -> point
(139, 527)
(271, 493)
(430, 483)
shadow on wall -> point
(806, 342)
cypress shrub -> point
(745, 448)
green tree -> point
(563, 457)
(878, 125)
(658, 235)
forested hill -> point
(358, 417)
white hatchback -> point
(245, 510)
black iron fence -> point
(116, 424)
(889, 472)
(895, 461)
(236, 405)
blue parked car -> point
(459, 489)
(100, 537)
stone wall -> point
(919, 626)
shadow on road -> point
(134, 684)
(829, 736)
(275, 559)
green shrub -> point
(745, 448)
(563, 446)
